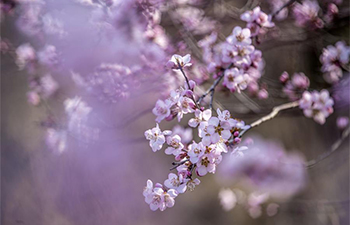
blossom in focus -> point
(158, 198)
(156, 137)
(209, 160)
(196, 151)
(239, 36)
(212, 131)
(179, 62)
(191, 184)
(199, 117)
(175, 145)
(186, 105)
(176, 182)
(318, 105)
(236, 80)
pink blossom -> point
(56, 140)
(178, 183)
(272, 209)
(185, 133)
(214, 130)
(236, 80)
(318, 105)
(209, 40)
(227, 199)
(156, 137)
(191, 184)
(239, 36)
(194, 20)
(111, 82)
(147, 191)
(208, 162)
(162, 199)
(295, 86)
(33, 97)
(175, 145)
(257, 20)
(196, 151)
(48, 86)
(48, 56)
(179, 62)
(199, 117)
(333, 58)
(342, 122)
(306, 13)
(277, 5)
(26, 57)
(186, 105)
(162, 109)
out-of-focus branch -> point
(334, 147)
(290, 2)
(188, 37)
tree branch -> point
(334, 147)
(211, 90)
(290, 2)
(274, 112)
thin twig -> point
(183, 73)
(211, 89)
(188, 85)
(177, 164)
(274, 112)
(283, 6)
(334, 147)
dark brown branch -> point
(287, 4)
(211, 89)
(334, 147)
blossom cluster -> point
(334, 59)
(202, 157)
(307, 13)
(216, 132)
(266, 167)
(236, 59)
(29, 59)
(41, 88)
(318, 105)
(294, 86)
(257, 21)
